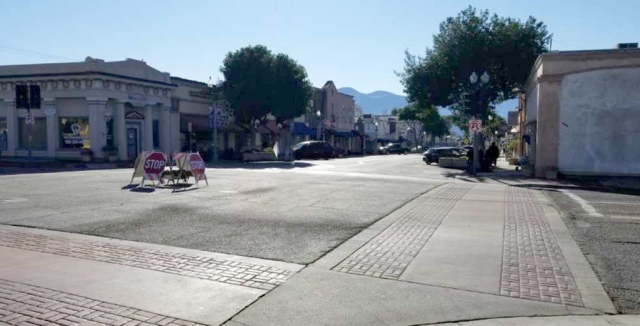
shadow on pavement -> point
(143, 189)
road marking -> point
(614, 203)
(229, 191)
(348, 165)
(583, 203)
(625, 217)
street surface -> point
(606, 226)
(275, 211)
(379, 240)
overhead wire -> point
(40, 55)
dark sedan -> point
(316, 150)
(432, 155)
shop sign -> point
(137, 99)
(202, 94)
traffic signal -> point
(22, 97)
(34, 96)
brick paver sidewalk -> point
(202, 267)
(26, 305)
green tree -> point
(258, 82)
(425, 118)
(474, 41)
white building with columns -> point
(90, 104)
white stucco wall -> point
(532, 105)
(72, 107)
(599, 126)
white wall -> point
(72, 107)
(599, 122)
(532, 105)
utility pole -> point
(214, 121)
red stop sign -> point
(196, 163)
(154, 163)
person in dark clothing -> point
(493, 153)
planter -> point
(113, 157)
(259, 156)
(527, 171)
(452, 162)
(86, 158)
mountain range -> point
(380, 101)
(377, 102)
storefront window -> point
(110, 141)
(3, 134)
(74, 132)
(37, 131)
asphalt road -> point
(606, 226)
(275, 211)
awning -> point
(199, 123)
(345, 134)
(300, 128)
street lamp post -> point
(376, 139)
(319, 115)
(473, 79)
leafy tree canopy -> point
(258, 82)
(474, 41)
(426, 117)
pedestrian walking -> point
(493, 153)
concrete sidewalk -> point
(461, 252)
(57, 278)
(470, 253)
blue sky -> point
(354, 43)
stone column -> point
(231, 142)
(53, 137)
(119, 132)
(166, 132)
(546, 153)
(148, 128)
(97, 136)
(12, 127)
(175, 130)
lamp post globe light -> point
(319, 115)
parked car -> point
(397, 149)
(465, 149)
(316, 150)
(393, 148)
(432, 155)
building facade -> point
(338, 115)
(92, 105)
(582, 111)
(87, 105)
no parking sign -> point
(475, 126)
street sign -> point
(475, 126)
(216, 117)
(153, 166)
(196, 163)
